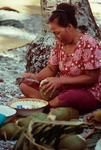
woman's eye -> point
(57, 33)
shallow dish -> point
(27, 106)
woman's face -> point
(63, 34)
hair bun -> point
(70, 9)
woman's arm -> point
(48, 71)
(90, 77)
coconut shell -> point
(72, 142)
(10, 130)
(43, 82)
(45, 96)
(64, 113)
(97, 115)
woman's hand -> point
(51, 85)
(89, 118)
(28, 75)
(27, 78)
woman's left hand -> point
(51, 85)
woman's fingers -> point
(27, 75)
(52, 92)
(28, 82)
(89, 117)
(49, 89)
(45, 86)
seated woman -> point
(76, 59)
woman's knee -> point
(79, 99)
(54, 102)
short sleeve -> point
(53, 58)
(91, 54)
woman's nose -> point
(58, 37)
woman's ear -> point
(69, 27)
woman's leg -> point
(29, 91)
(79, 99)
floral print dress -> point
(86, 56)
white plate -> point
(7, 111)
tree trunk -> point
(84, 14)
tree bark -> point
(84, 14)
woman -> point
(76, 58)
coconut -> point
(64, 113)
(45, 96)
(10, 130)
(97, 115)
(72, 142)
(43, 82)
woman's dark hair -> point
(65, 14)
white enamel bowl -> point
(26, 106)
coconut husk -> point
(63, 113)
(72, 142)
(97, 115)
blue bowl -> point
(2, 119)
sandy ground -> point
(23, 6)
(12, 62)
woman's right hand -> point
(28, 75)
(28, 78)
(89, 118)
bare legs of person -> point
(29, 91)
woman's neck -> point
(70, 47)
(76, 34)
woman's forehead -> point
(55, 27)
